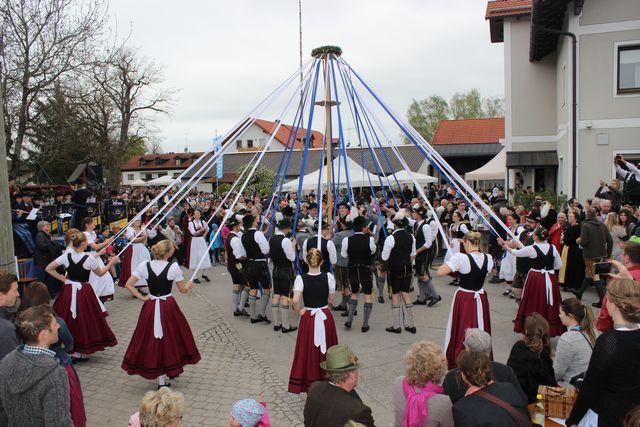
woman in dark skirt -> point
(470, 306)
(77, 303)
(571, 275)
(540, 293)
(317, 289)
(162, 342)
(36, 293)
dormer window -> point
(159, 161)
(178, 162)
(143, 162)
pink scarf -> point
(415, 411)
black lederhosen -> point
(237, 275)
(257, 274)
(399, 278)
(341, 274)
(361, 279)
(282, 279)
(422, 263)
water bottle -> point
(538, 412)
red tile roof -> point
(161, 161)
(285, 131)
(501, 8)
(469, 131)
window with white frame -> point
(239, 143)
(249, 143)
(629, 69)
(178, 161)
(130, 177)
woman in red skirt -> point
(541, 293)
(317, 330)
(470, 306)
(162, 342)
(77, 303)
(135, 254)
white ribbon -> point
(548, 284)
(75, 287)
(319, 336)
(157, 321)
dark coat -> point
(532, 369)
(455, 387)
(46, 249)
(595, 239)
(474, 411)
(328, 405)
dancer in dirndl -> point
(162, 343)
(508, 264)
(135, 254)
(317, 330)
(541, 293)
(102, 286)
(198, 247)
(77, 303)
(470, 306)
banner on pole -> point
(93, 211)
(217, 146)
(117, 214)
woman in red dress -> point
(162, 343)
(77, 303)
(470, 306)
(541, 293)
(317, 330)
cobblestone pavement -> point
(242, 360)
(229, 370)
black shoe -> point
(256, 320)
(237, 313)
(418, 302)
(264, 319)
(196, 280)
(143, 293)
(381, 299)
(289, 329)
(453, 283)
(246, 304)
(347, 325)
(434, 301)
(364, 329)
(79, 359)
(393, 330)
(340, 307)
(206, 278)
(514, 321)
(505, 293)
(164, 385)
(597, 304)
(411, 329)
(244, 313)
(277, 327)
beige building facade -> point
(539, 96)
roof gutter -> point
(574, 112)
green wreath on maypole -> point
(324, 50)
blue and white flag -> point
(217, 146)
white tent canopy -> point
(137, 183)
(495, 169)
(405, 177)
(358, 177)
(161, 180)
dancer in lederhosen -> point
(162, 343)
(359, 249)
(102, 286)
(327, 248)
(317, 331)
(256, 247)
(425, 238)
(470, 306)
(236, 257)
(198, 247)
(541, 293)
(135, 254)
(399, 250)
(77, 303)
(282, 254)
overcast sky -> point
(225, 56)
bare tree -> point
(121, 107)
(42, 43)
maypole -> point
(326, 53)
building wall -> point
(533, 87)
(259, 138)
(602, 12)
(129, 176)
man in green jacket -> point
(597, 244)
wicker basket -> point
(557, 401)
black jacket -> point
(328, 405)
(532, 369)
(455, 387)
(472, 411)
(46, 250)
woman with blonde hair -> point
(317, 329)
(162, 342)
(530, 357)
(611, 386)
(77, 303)
(618, 232)
(470, 306)
(418, 398)
(574, 346)
(135, 254)
(162, 408)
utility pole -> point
(327, 137)
(7, 257)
